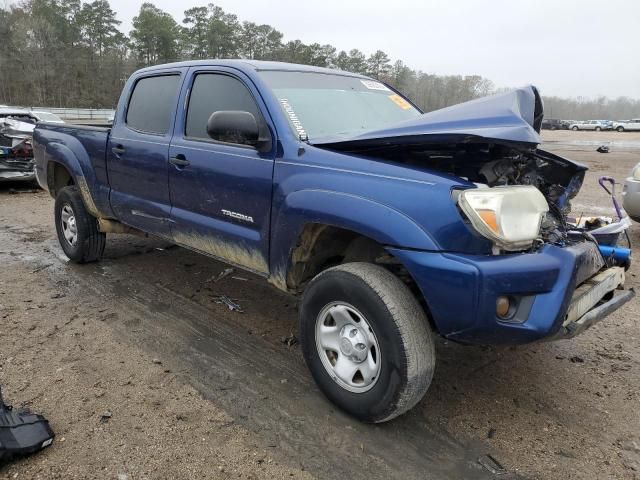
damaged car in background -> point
(16, 152)
(392, 225)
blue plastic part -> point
(619, 254)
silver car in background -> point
(631, 194)
(596, 125)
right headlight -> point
(508, 216)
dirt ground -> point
(143, 375)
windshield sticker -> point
(401, 102)
(293, 118)
(371, 85)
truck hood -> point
(512, 118)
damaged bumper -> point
(557, 292)
(12, 169)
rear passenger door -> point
(221, 191)
(138, 151)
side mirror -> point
(232, 126)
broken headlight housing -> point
(508, 216)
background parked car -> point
(627, 125)
(596, 125)
(46, 116)
(631, 194)
(553, 124)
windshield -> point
(322, 105)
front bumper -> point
(631, 198)
(559, 292)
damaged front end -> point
(16, 152)
(547, 276)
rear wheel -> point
(620, 129)
(77, 230)
(574, 128)
(598, 129)
(366, 341)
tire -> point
(70, 212)
(598, 129)
(405, 356)
(575, 129)
(620, 129)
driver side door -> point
(221, 192)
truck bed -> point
(84, 151)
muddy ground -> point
(143, 375)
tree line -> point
(69, 53)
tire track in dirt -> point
(267, 391)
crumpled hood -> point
(513, 117)
(16, 128)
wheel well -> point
(58, 177)
(322, 246)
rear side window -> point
(214, 92)
(152, 102)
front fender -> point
(364, 216)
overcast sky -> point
(565, 47)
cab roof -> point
(255, 65)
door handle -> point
(179, 161)
(118, 150)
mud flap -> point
(22, 432)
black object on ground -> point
(22, 432)
(602, 149)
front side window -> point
(214, 92)
(320, 105)
(151, 104)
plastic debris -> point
(22, 432)
(224, 273)
(290, 341)
(231, 305)
(491, 464)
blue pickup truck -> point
(392, 226)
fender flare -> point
(58, 153)
(379, 222)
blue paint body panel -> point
(406, 208)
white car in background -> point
(627, 125)
(46, 116)
(631, 194)
(596, 125)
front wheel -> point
(366, 341)
(575, 129)
(620, 129)
(598, 129)
(77, 230)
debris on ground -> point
(491, 464)
(242, 279)
(290, 341)
(106, 416)
(22, 432)
(224, 273)
(603, 149)
(231, 304)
